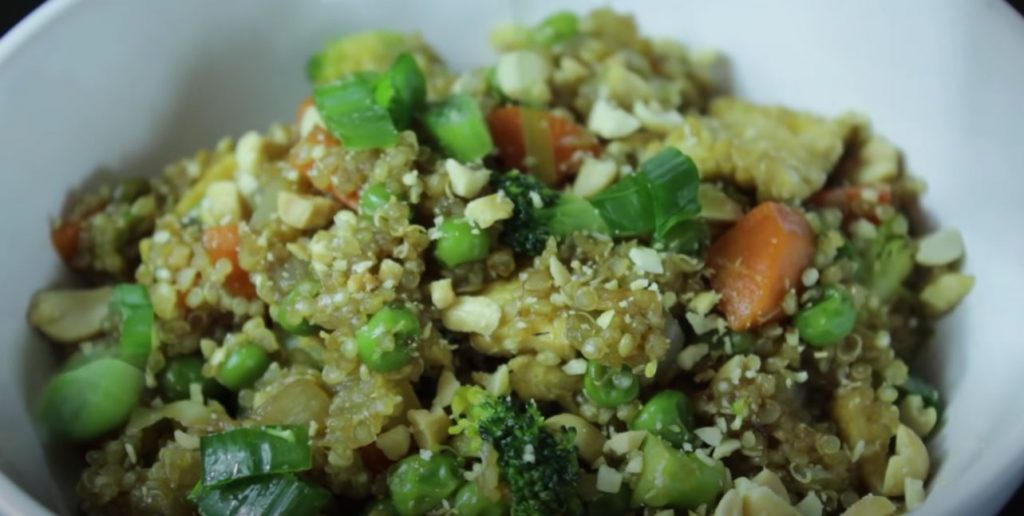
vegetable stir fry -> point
(584, 280)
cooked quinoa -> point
(399, 324)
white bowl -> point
(129, 86)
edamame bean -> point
(669, 415)
(419, 485)
(86, 402)
(179, 374)
(385, 342)
(286, 312)
(672, 478)
(243, 366)
(470, 501)
(828, 321)
(610, 388)
(461, 242)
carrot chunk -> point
(564, 142)
(757, 261)
(65, 238)
(222, 242)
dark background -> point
(14, 10)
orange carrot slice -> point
(757, 261)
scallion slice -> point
(245, 452)
(627, 206)
(267, 496)
(351, 112)
(557, 28)
(675, 184)
(403, 90)
(459, 127)
(137, 325)
(573, 214)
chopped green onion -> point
(892, 265)
(267, 496)
(627, 206)
(557, 28)
(574, 214)
(459, 127)
(247, 452)
(92, 399)
(351, 113)
(675, 184)
(138, 329)
(661, 199)
(687, 236)
(403, 90)
(314, 67)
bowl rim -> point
(15, 500)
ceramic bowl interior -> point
(90, 88)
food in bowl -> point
(582, 280)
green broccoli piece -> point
(541, 213)
(540, 467)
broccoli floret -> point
(540, 467)
(541, 213)
(526, 232)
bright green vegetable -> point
(657, 200)
(243, 366)
(380, 508)
(385, 342)
(94, 398)
(677, 479)
(403, 90)
(540, 468)
(829, 320)
(351, 112)
(610, 388)
(419, 485)
(364, 51)
(555, 29)
(928, 393)
(286, 313)
(611, 504)
(138, 330)
(374, 198)
(180, 373)
(459, 127)
(273, 495)
(247, 452)
(668, 415)
(469, 501)
(461, 242)
(892, 265)
(557, 215)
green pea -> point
(179, 374)
(380, 508)
(828, 321)
(470, 501)
(461, 242)
(741, 342)
(385, 342)
(96, 397)
(243, 366)
(374, 198)
(608, 388)
(677, 479)
(285, 312)
(419, 485)
(669, 415)
(611, 504)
